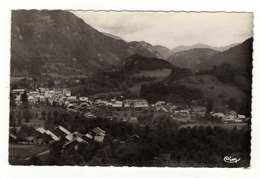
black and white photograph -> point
(130, 88)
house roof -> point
(135, 136)
(89, 114)
(241, 116)
(78, 139)
(69, 137)
(78, 134)
(30, 98)
(88, 136)
(97, 130)
(83, 98)
(13, 136)
(219, 114)
(135, 100)
(63, 130)
(73, 136)
(99, 138)
(133, 119)
(41, 130)
(30, 138)
(18, 90)
(53, 136)
(84, 104)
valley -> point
(81, 96)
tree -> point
(43, 114)
(49, 116)
(209, 107)
(24, 98)
(50, 83)
(13, 130)
(55, 113)
(12, 100)
(35, 160)
(233, 104)
(27, 115)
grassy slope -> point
(159, 74)
(213, 88)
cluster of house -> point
(198, 112)
(71, 139)
(229, 117)
(137, 104)
(57, 96)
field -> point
(34, 122)
(153, 73)
(19, 153)
(159, 74)
(224, 126)
(47, 109)
(16, 79)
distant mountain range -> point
(191, 59)
(196, 59)
(200, 45)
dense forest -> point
(138, 62)
(174, 93)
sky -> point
(171, 29)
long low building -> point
(135, 103)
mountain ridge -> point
(191, 59)
(201, 45)
(48, 38)
(164, 51)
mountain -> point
(163, 51)
(139, 45)
(191, 59)
(239, 57)
(200, 45)
(113, 36)
(185, 48)
(224, 48)
(59, 43)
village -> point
(61, 97)
(127, 110)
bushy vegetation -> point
(138, 62)
(175, 93)
(227, 74)
(137, 79)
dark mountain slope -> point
(192, 58)
(113, 36)
(138, 62)
(239, 57)
(60, 36)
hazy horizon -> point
(172, 29)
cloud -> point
(175, 28)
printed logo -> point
(229, 159)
